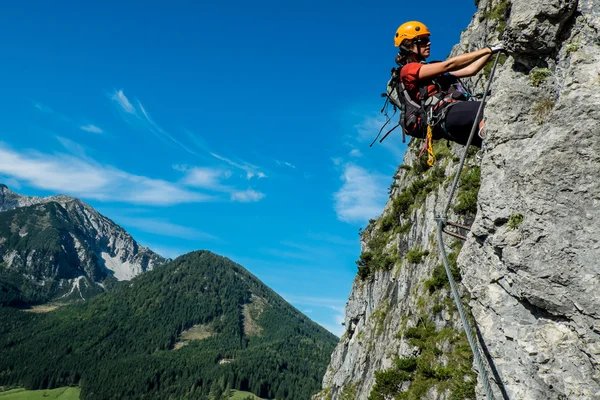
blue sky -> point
(238, 127)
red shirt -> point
(410, 77)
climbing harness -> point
(420, 118)
(441, 224)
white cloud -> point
(211, 178)
(164, 228)
(369, 127)
(67, 120)
(140, 118)
(247, 196)
(251, 170)
(43, 108)
(287, 164)
(91, 128)
(85, 178)
(362, 196)
(10, 182)
(119, 97)
(206, 177)
(355, 153)
(72, 147)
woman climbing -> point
(435, 86)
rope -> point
(441, 221)
(464, 156)
(430, 154)
(463, 315)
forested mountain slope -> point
(191, 327)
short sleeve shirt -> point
(410, 77)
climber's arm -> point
(472, 69)
(453, 64)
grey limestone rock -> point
(531, 264)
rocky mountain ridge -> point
(59, 246)
(529, 271)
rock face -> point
(530, 267)
(60, 247)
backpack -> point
(431, 110)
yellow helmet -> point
(410, 30)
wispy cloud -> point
(86, 178)
(139, 118)
(367, 130)
(67, 120)
(119, 97)
(355, 153)
(205, 177)
(91, 128)
(251, 170)
(73, 147)
(285, 163)
(219, 180)
(43, 108)
(247, 196)
(164, 228)
(208, 177)
(362, 195)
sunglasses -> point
(421, 40)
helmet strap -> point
(406, 52)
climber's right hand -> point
(497, 48)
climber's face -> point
(422, 45)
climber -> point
(435, 87)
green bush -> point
(498, 13)
(415, 256)
(427, 370)
(539, 75)
(376, 258)
(387, 384)
(468, 189)
(515, 220)
(406, 364)
(487, 69)
(572, 48)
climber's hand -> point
(497, 48)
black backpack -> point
(414, 117)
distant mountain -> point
(190, 328)
(58, 247)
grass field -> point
(65, 393)
(72, 393)
(239, 395)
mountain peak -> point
(10, 200)
(94, 250)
